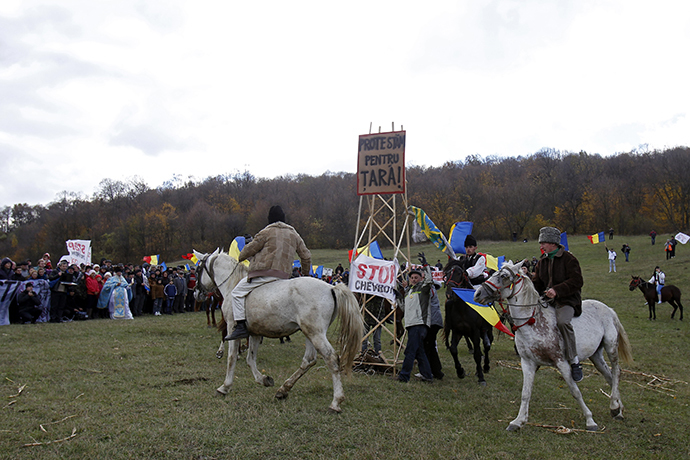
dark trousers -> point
(138, 304)
(178, 306)
(169, 301)
(58, 301)
(432, 352)
(415, 350)
(29, 314)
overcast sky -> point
(116, 89)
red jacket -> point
(93, 287)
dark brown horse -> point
(462, 320)
(669, 293)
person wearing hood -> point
(273, 250)
(6, 272)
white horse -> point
(281, 308)
(539, 342)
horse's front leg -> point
(230, 373)
(252, 351)
(529, 369)
(564, 369)
(476, 341)
(453, 348)
(487, 339)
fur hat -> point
(550, 235)
(276, 214)
(470, 241)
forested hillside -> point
(578, 192)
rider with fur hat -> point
(558, 276)
(273, 250)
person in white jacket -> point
(658, 279)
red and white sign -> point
(79, 252)
(374, 276)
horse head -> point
(204, 281)
(500, 285)
(635, 282)
(454, 275)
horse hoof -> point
(461, 373)
(482, 383)
(617, 414)
(281, 395)
(268, 381)
(336, 410)
(487, 369)
(219, 354)
(594, 427)
(513, 427)
(220, 392)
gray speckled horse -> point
(539, 342)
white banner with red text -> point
(374, 276)
(79, 252)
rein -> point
(211, 274)
(515, 288)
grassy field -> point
(146, 389)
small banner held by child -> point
(374, 276)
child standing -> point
(157, 294)
(170, 293)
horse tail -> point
(222, 325)
(351, 326)
(624, 348)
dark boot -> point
(576, 372)
(239, 332)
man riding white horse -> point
(273, 249)
(558, 276)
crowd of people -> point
(67, 292)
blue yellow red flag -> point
(596, 238)
(431, 231)
(373, 251)
(486, 311)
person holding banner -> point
(273, 250)
(558, 276)
(417, 298)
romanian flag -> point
(596, 238)
(494, 263)
(431, 231)
(235, 249)
(373, 250)
(458, 233)
(487, 311)
(153, 260)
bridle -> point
(516, 284)
(448, 277)
(207, 265)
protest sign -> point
(381, 163)
(374, 276)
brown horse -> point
(669, 293)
